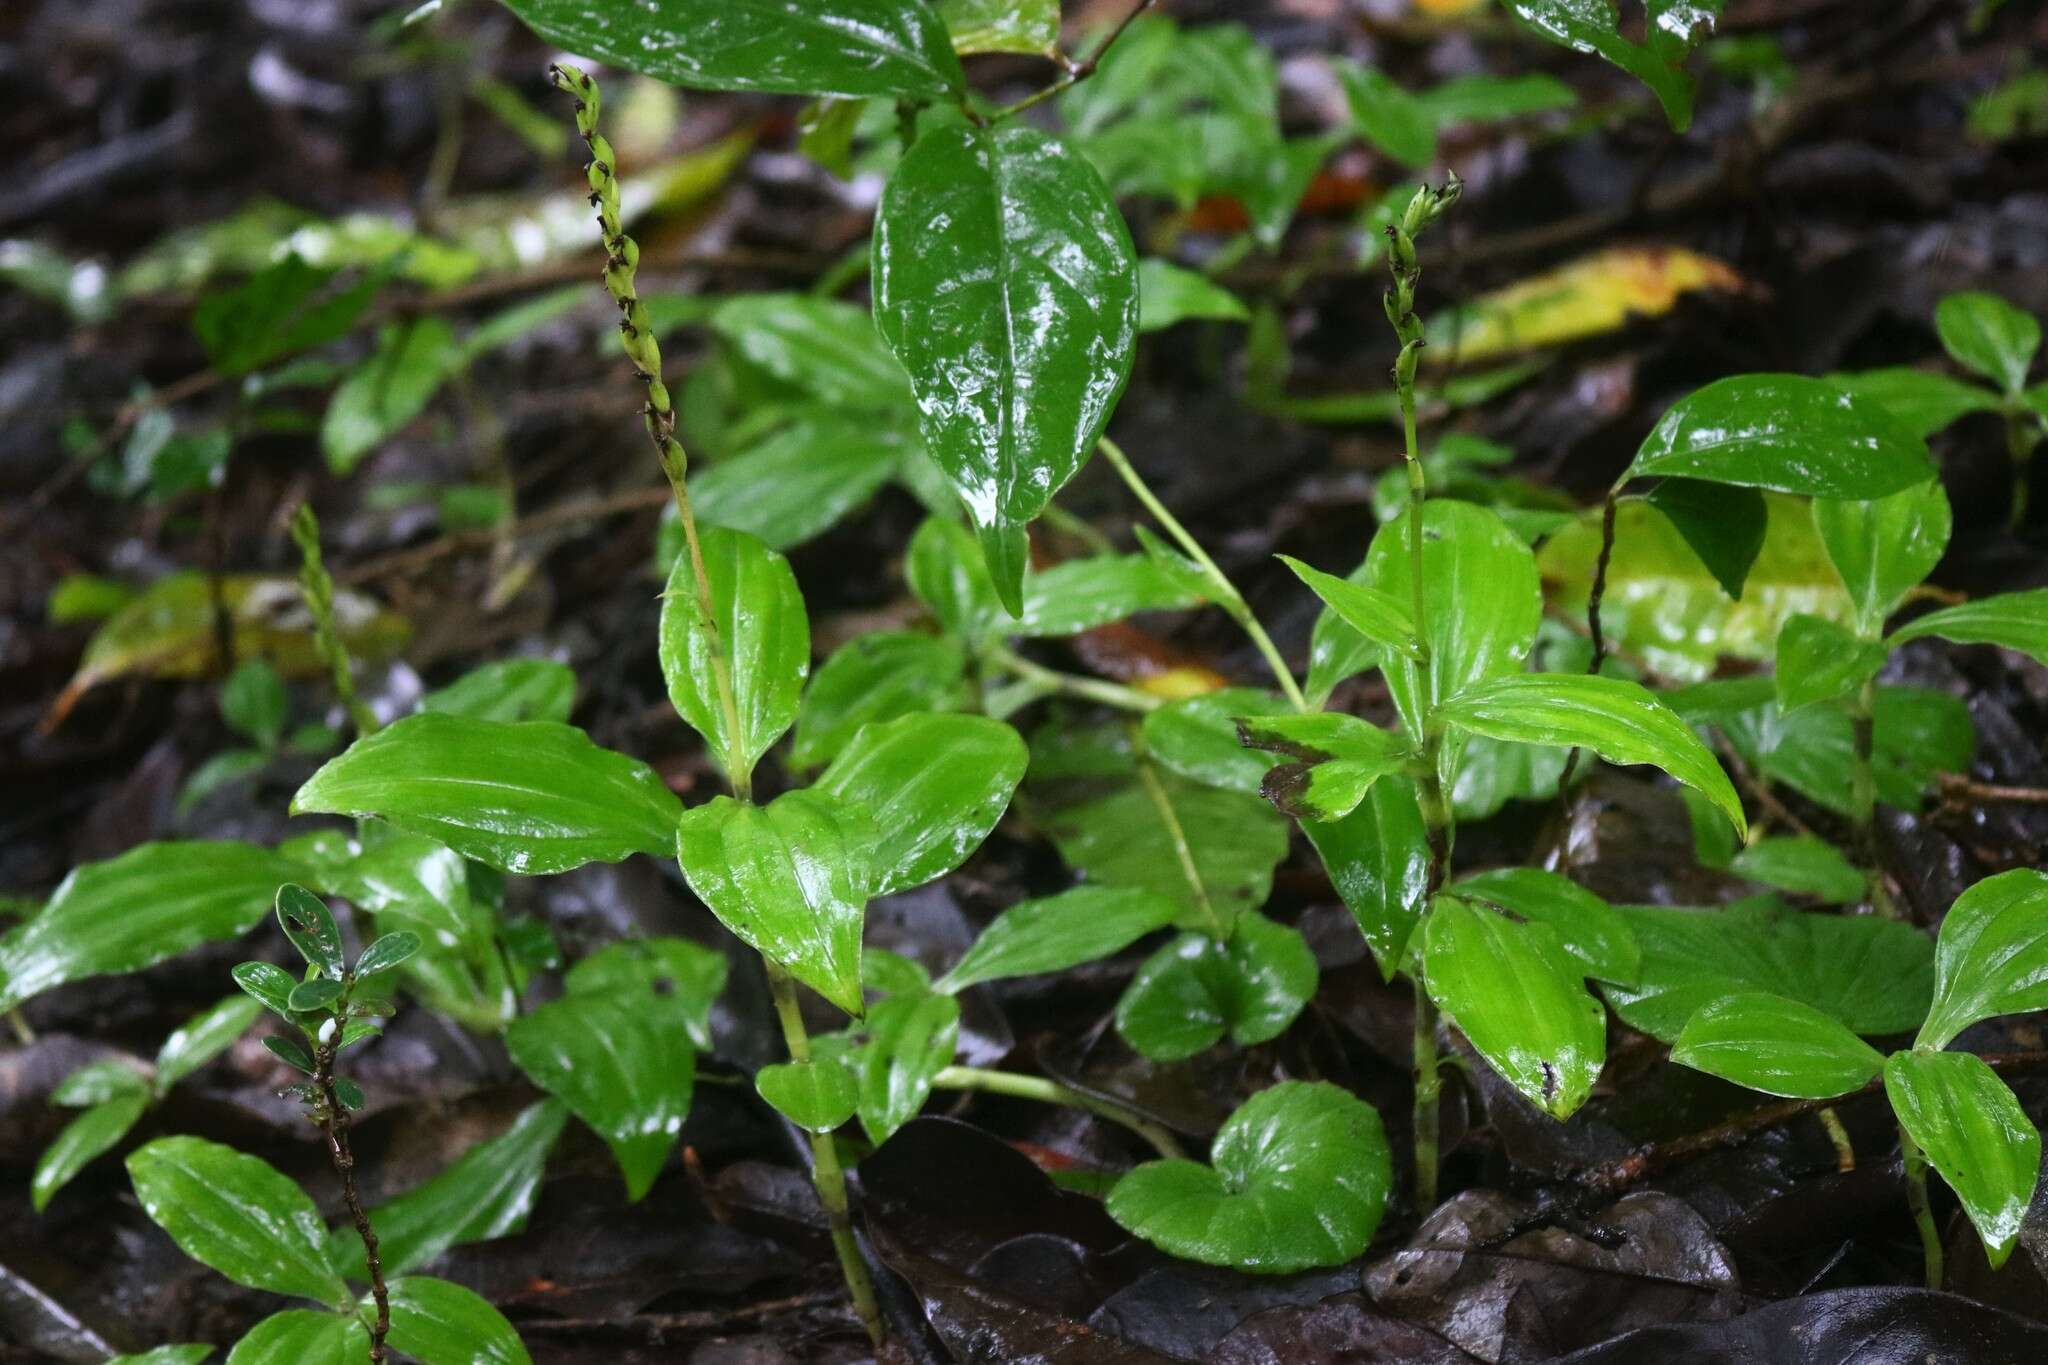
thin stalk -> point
(316, 585)
(1077, 72)
(1845, 1149)
(19, 1023)
(1922, 1207)
(1428, 1098)
(1227, 595)
(1863, 797)
(1182, 851)
(1072, 684)
(1594, 629)
(334, 1123)
(1052, 1092)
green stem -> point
(1052, 1092)
(1845, 1149)
(1922, 1207)
(1226, 593)
(19, 1022)
(1182, 851)
(1428, 1092)
(1071, 684)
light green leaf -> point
(1054, 933)
(1006, 284)
(1778, 1046)
(2011, 620)
(1803, 864)
(1082, 594)
(1197, 737)
(946, 573)
(1300, 1177)
(610, 1060)
(910, 1039)
(509, 690)
(1334, 761)
(678, 977)
(238, 1214)
(96, 1082)
(1986, 334)
(1971, 1126)
(1381, 619)
(826, 347)
(791, 879)
(299, 1336)
(202, 1038)
(1194, 990)
(167, 1355)
(529, 797)
(389, 389)
(438, 1323)
(84, 1138)
(252, 701)
(1484, 98)
(1023, 26)
(1991, 956)
(1378, 861)
(1819, 661)
(1170, 294)
(1392, 119)
(817, 1096)
(1788, 433)
(932, 786)
(1885, 547)
(416, 880)
(803, 479)
(1671, 28)
(1923, 401)
(1590, 929)
(872, 678)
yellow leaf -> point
(1592, 295)
(1449, 9)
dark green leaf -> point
(1778, 1046)
(1819, 661)
(389, 389)
(1035, 937)
(1195, 989)
(289, 1051)
(802, 480)
(1082, 594)
(1300, 1177)
(1169, 294)
(1785, 432)
(1335, 760)
(85, 1137)
(1986, 334)
(310, 926)
(252, 701)
(946, 573)
(826, 347)
(1722, 522)
(1803, 864)
(911, 1038)
(1991, 957)
(167, 1355)
(202, 1038)
(1391, 118)
(676, 975)
(348, 1092)
(2011, 620)
(286, 307)
(1971, 1126)
(316, 994)
(299, 1336)
(1670, 28)
(1383, 620)
(510, 689)
(1377, 858)
(817, 1096)
(237, 1214)
(271, 986)
(1197, 737)
(1590, 929)
(874, 678)
(438, 1323)
(1006, 284)
(1883, 548)
(387, 952)
(1924, 402)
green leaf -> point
(1194, 990)
(202, 1038)
(1335, 760)
(153, 902)
(310, 926)
(238, 1214)
(1819, 661)
(1022, 26)
(1378, 858)
(1392, 119)
(1197, 737)
(299, 1336)
(1053, 933)
(911, 1038)
(252, 702)
(1986, 334)
(224, 769)
(933, 787)
(817, 1096)
(1520, 999)
(485, 1193)
(872, 678)
(1494, 99)
(1006, 284)
(1670, 29)
(1300, 1177)
(509, 690)
(791, 879)
(438, 1323)
(191, 1354)
(268, 985)
(1082, 594)
(97, 1082)
(1778, 1046)
(1170, 294)
(84, 1138)
(1874, 975)
(946, 573)
(826, 347)
(285, 307)
(1723, 524)
(413, 879)
(758, 641)
(680, 977)
(387, 952)
(1590, 929)
(802, 480)
(1923, 401)
(2011, 620)
(1803, 864)
(822, 47)
(1885, 547)
(389, 389)
(316, 994)
(289, 1051)
(1971, 1126)
(610, 1059)
(1788, 433)
(1381, 619)
(529, 797)
(1618, 720)
(1991, 956)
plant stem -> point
(1226, 593)
(826, 1172)
(1923, 1208)
(1052, 1092)
(19, 1022)
(1077, 72)
(316, 585)
(1182, 851)
(1863, 797)
(1072, 684)
(1845, 1150)
(334, 1123)
(1428, 1094)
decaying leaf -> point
(1591, 296)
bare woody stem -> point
(1077, 72)
(334, 1122)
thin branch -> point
(1079, 71)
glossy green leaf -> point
(791, 879)
(286, 306)
(312, 995)
(310, 926)
(758, 635)
(1392, 119)
(610, 1060)
(97, 1082)
(1197, 737)
(1874, 975)
(238, 1214)
(289, 1051)
(821, 47)
(1492, 773)
(1923, 401)
(1336, 651)
(1377, 858)
(803, 479)
(933, 786)
(1986, 334)
(1883, 548)
(202, 1038)
(1971, 1126)
(388, 389)
(1383, 620)
(826, 347)
(1021, 26)
(153, 902)
(1483, 98)
(1724, 524)
(529, 797)
(910, 1039)
(1785, 432)
(1670, 29)
(439, 1323)
(299, 1336)
(677, 976)
(1170, 294)
(253, 703)
(387, 952)
(1333, 761)
(946, 573)
(93, 1132)
(1051, 934)
(877, 677)
(1300, 1177)
(191, 1354)
(485, 1193)
(1520, 999)
(415, 880)
(1991, 957)
(268, 985)
(817, 1096)
(1194, 990)
(1618, 720)
(1082, 594)
(1803, 864)
(509, 690)
(1006, 284)
(1778, 1046)
(2011, 620)
(1590, 929)
(1819, 661)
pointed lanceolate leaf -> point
(1300, 1177)
(911, 1038)
(1991, 956)
(1802, 864)
(791, 879)
(1785, 432)
(1819, 661)
(1722, 522)
(1082, 594)
(1197, 737)
(299, 1336)
(1990, 336)
(1671, 27)
(509, 689)
(933, 786)
(1085, 924)
(1006, 284)
(1971, 1126)
(387, 952)
(1382, 619)
(1377, 858)
(817, 1096)
(190, 1354)
(1778, 1046)
(202, 1038)
(238, 1214)
(2011, 620)
(1194, 990)
(1591, 930)
(529, 797)
(826, 347)
(1884, 547)
(439, 1323)
(84, 1138)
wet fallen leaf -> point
(1593, 295)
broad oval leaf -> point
(238, 1214)
(876, 677)
(1082, 594)
(1378, 861)
(269, 985)
(1023, 26)
(203, 1037)
(1785, 432)
(1802, 864)
(299, 1336)
(1334, 760)
(2011, 620)
(1884, 547)
(1619, 720)
(1197, 737)
(1991, 956)
(826, 347)
(911, 1038)
(439, 1323)
(509, 689)
(612, 1061)
(817, 1095)
(791, 879)
(1590, 929)
(679, 977)
(1300, 1177)
(1778, 1046)
(1990, 336)
(1971, 1126)
(1520, 999)
(387, 952)
(529, 797)
(758, 636)
(84, 1138)
(816, 47)
(932, 786)
(1006, 284)
(1819, 661)
(1194, 990)
(799, 481)
(1084, 924)
(310, 926)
